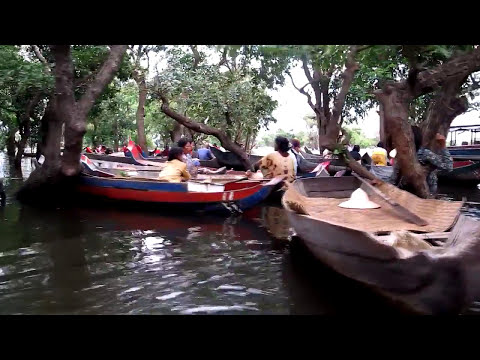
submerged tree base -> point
(47, 187)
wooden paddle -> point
(400, 210)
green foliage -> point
(358, 138)
(114, 117)
(20, 78)
(235, 101)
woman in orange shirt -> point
(176, 170)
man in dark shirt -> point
(356, 153)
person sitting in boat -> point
(139, 148)
(433, 159)
(126, 151)
(356, 153)
(165, 151)
(187, 147)
(175, 170)
(204, 153)
(278, 162)
(297, 152)
(379, 155)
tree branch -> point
(226, 142)
(351, 67)
(40, 57)
(103, 77)
(223, 60)
(309, 98)
(460, 66)
(196, 56)
(305, 68)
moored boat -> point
(427, 269)
(209, 193)
(463, 171)
(231, 160)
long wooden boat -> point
(129, 160)
(465, 152)
(211, 194)
(464, 171)
(231, 160)
(427, 269)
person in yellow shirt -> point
(176, 170)
(278, 162)
(379, 155)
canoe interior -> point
(319, 187)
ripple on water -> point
(206, 309)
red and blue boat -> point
(220, 194)
(466, 171)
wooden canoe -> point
(436, 280)
(463, 171)
(231, 160)
(217, 193)
(465, 152)
(194, 196)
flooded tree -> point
(64, 110)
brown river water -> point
(89, 260)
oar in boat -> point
(400, 210)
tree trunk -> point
(44, 129)
(94, 135)
(443, 109)
(142, 97)
(116, 137)
(447, 79)
(383, 133)
(226, 142)
(11, 144)
(25, 128)
(54, 177)
(395, 100)
(176, 133)
(75, 114)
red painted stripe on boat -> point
(168, 197)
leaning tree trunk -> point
(140, 116)
(226, 142)
(53, 177)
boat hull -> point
(234, 197)
(130, 160)
(427, 282)
(463, 171)
(467, 152)
(231, 160)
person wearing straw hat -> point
(359, 200)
